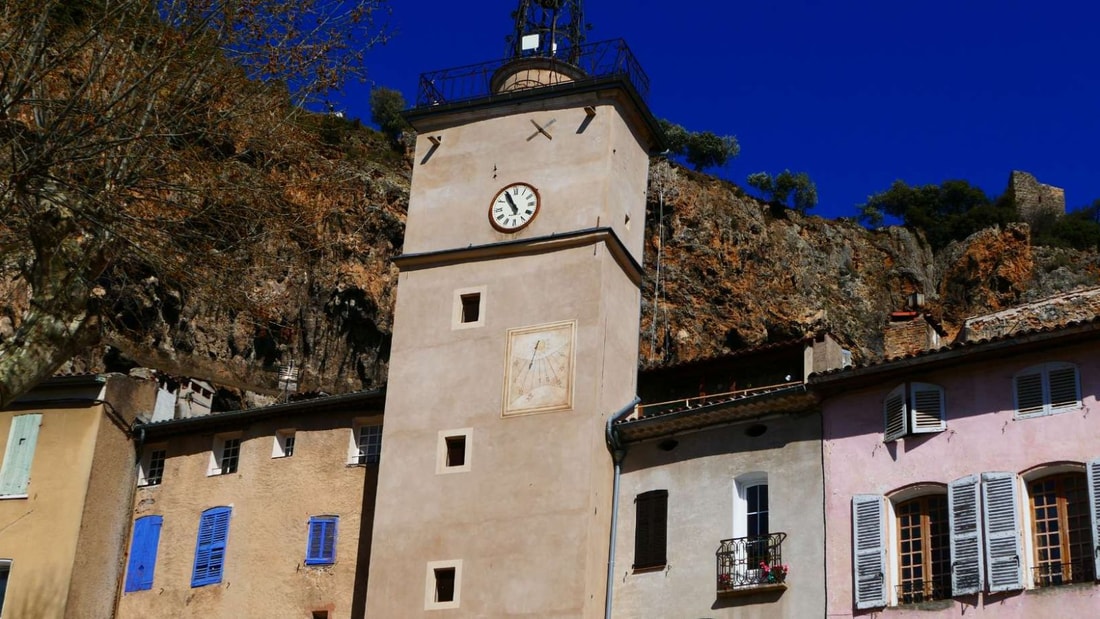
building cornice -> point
(526, 247)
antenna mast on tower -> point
(548, 28)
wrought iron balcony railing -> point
(747, 562)
(1064, 572)
(917, 591)
(587, 62)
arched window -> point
(1061, 529)
(923, 549)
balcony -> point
(590, 62)
(1057, 573)
(748, 565)
(919, 591)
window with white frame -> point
(987, 547)
(283, 446)
(151, 467)
(366, 444)
(225, 454)
(443, 585)
(453, 451)
(913, 408)
(1046, 389)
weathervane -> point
(548, 28)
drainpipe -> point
(618, 452)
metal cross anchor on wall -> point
(541, 129)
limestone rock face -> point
(725, 271)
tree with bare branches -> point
(146, 138)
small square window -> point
(443, 587)
(454, 451)
(366, 444)
(320, 614)
(445, 584)
(284, 444)
(225, 454)
(471, 307)
(151, 468)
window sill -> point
(649, 568)
(752, 589)
(9, 497)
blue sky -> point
(857, 94)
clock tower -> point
(516, 329)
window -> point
(983, 538)
(143, 553)
(913, 408)
(1047, 389)
(650, 529)
(468, 308)
(151, 467)
(471, 307)
(366, 444)
(1061, 528)
(5, 571)
(225, 454)
(453, 452)
(284, 444)
(923, 541)
(443, 584)
(210, 547)
(321, 545)
(15, 472)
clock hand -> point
(511, 202)
(533, 353)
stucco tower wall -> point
(530, 518)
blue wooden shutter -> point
(966, 535)
(869, 550)
(321, 545)
(1094, 511)
(1003, 558)
(210, 547)
(16, 470)
(143, 553)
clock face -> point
(539, 375)
(514, 207)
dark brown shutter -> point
(650, 531)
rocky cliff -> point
(725, 271)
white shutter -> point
(1003, 558)
(927, 408)
(966, 536)
(869, 550)
(1064, 392)
(1029, 394)
(894, 414)
(16, 471)
(1094, 511)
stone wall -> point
(1033, 198)
(1050, 312)
(907, 333)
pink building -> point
(966, 481)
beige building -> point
(264, 512)
(65, 487)
(515, 339)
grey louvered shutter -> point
(927, 408)
(1064, 392)
(1094, 511)
(869, 550)
(15, 473)
(894, 413)
(1003, 558)
(966, 535)
(1029, 394)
